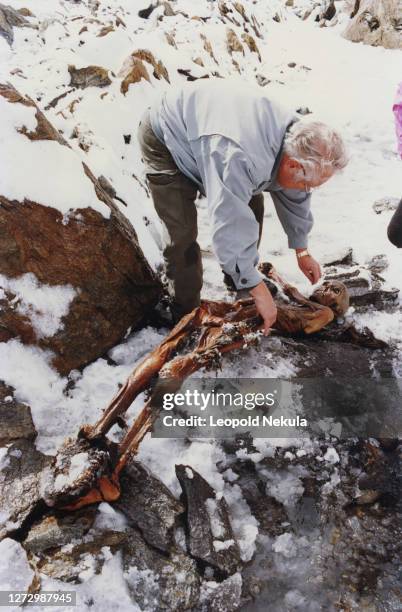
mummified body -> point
(206, 333)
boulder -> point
(210, 534)
(148, 505)
(376, 23)
(158, 582)
(72, 273)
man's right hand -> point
(265, 305)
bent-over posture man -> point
(231, 142)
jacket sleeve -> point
(293, 209)
(227, 179)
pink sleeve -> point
(397, 108)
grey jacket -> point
(228, 140)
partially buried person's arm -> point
(227, 180)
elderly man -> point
(232, 143)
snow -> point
(78, 464)
(350, 86)
(42, 171)
(12, 555)
(44, 305)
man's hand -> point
(310, 267)
(265, 305)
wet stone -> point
(15, 417)
(210, 535)
(149, 505)
(20, 484)
(157, 581)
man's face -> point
(291, 175)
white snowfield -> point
(350, 86)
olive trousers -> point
(174, 195)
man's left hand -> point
(310, 268)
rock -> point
(269, 513)
(105, 30)
(304, 110)
(210, 535)
(55, 531)
(15, 417)
(378, 264)
(262, 80)
(233, 43)
(9, 19)
(377, 23)
(222, 596)
(77, 562)
(20, 484)
(91, 259)
(75, 470)
(251, 44)
(137, 72)
(149, 505)
(343, 260)
(208, 47)
(156, 581)
(134, 69)
(146, 12)
(90, 76)
(385, 204)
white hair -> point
(317, 147)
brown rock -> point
(134, 69)
(105, 30)
(90, 76)
(377, 23)
(251, 44)
(233, 43)
(170, 39)
(208, 47)
(99, 257)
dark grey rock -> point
(20, 484)
(158, 582)
(221, 597)
(210, 535)
(149, 505)
(15, 417)
(267, 510)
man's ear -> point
(294, 164)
